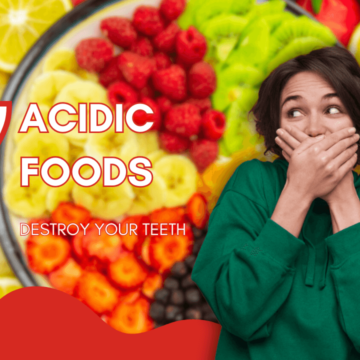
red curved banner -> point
(43, 323)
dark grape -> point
(162, 295)
(192, 296)
(171, 283)
(197, 245)
(171, 311)
(179, 316)
(157, 311)
(193, 313)
(177, 297)
(190, 261)
(210, 316)
(179, 269)
(205, 307)
(197, 232)
(187, 282)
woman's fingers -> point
(347, 166)
(286, 156)
(334, 138)
(284, 145)
(287, 138)
(342, 158)
(299, 135)
(341, 146)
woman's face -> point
(311, 104)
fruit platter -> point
(198, 65)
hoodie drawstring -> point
(311, 264)
(310, 270)
(324, 270)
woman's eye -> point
(332, 108)
(292, 113)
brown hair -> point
(335, 64)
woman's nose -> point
(315, 126)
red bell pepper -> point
(341, 16)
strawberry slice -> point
(66, 277)
(132, 315)
(168, 215)
(153, 282)
(197, 211)
(131, 241)
(104, 247)
(46, 253)
(127, 271)
(165, 250)
(145, 251)
(95, 291)
(68, 213)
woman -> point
(280, 265)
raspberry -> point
(110, 73)
(203, 152)
(141, 117)
(171, 82)
(135, 68)
(173, 143)
(172, 9)
(122, 93)
(147, 20)
(92, 54)
(202, 80)
(184, 120)
(119, 30)
(191, 45)
(142, 46)
(77, 2)
(164, 104)
(213, 125)
(147, 91)
(162, 61)
(202, 104)
(165, 41)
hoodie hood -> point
(315, 241)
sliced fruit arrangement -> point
(246, 41)
(135, 281)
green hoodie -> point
(279, 297)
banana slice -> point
(148, 141)
(46, 86)
(58, 194)
(80, 92)
(179, 174)
(150, 197)
(104, 202)
(109, 143)
(43, 146)
(44, 109)
(156, 155)
(27, 202)
(64, 59)
(76, 152)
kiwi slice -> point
(210, 9)
(224, 95)
(187, 17)
(222, 148)
(240, 133)
(242, 6)
(253, 47)
(296, 47)
(240, 74)
(266, 8)
(301, 27)
(223, 25)
(224, 47)
(275, 20)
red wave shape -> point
(43, 323)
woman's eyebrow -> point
(296, 97)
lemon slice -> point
(22, 23)
(354, 43)
(8, 284)
(4, 77)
